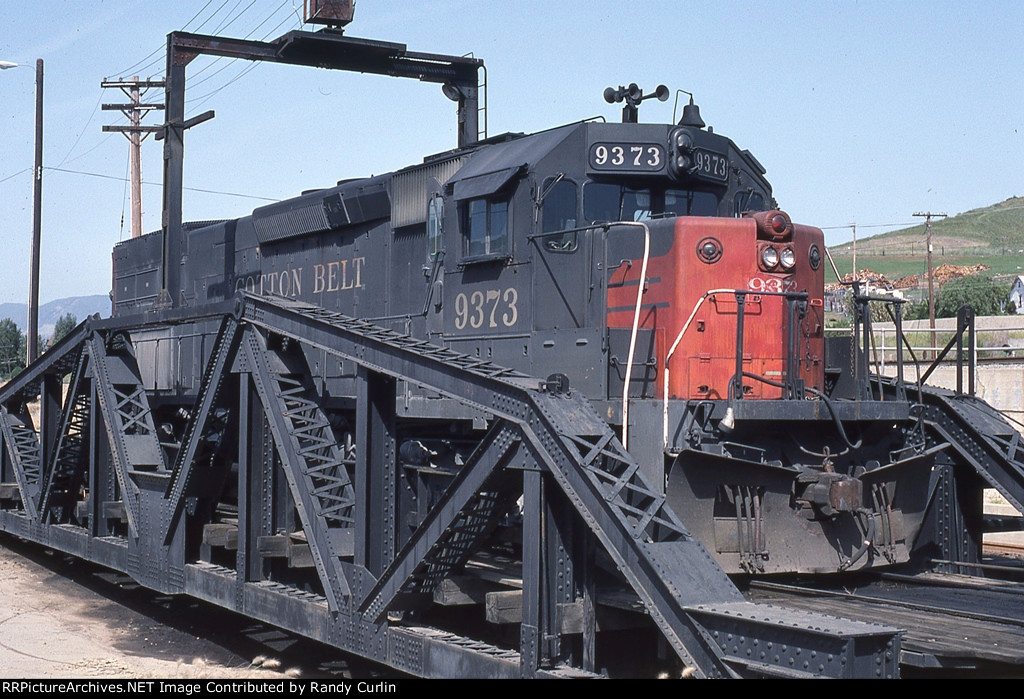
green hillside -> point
(992, 235)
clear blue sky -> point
(859, 110)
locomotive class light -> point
(780, 225)
(709, 250)
(814, 257)
(787, 258)
(773, 224)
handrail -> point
(636, 326)
(672, 350)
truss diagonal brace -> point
(497, 448)
(223, 350)
(68, 453)
(27, 489)
(104, 373)
(328, 566)
(633, 558)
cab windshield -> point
(616, 202)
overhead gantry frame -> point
(327, 48)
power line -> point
(227, 19)
(157, 184)
(912, 224)
(216, 31)
(198, 101)
(208, 3)
(270, 17)
(19, 172)
(131, 68)
(218, 59)
(82, 132)
(861, 225)
(215, 13)
(234, 19)
(230, 17)
(156, 54)
(193, 82)
(98, 144)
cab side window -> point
(558, 213)
(486, 227)
(435, 217)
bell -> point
(691, 116)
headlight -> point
(788, 258)
(769, 257)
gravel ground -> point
(61, 618)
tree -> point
(916, 311)
(987, 296)
(65, 324)
(12, 349)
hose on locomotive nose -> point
(814, 392)
(869, 537)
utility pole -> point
(136, 133)
(32, 340)
(853, 225)
(931, 279)
(32, 337)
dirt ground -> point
(68, 619)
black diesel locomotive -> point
(505, 412)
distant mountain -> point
(991, 230)
(49, 313)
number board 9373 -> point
(627, 157)
(710, 165)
